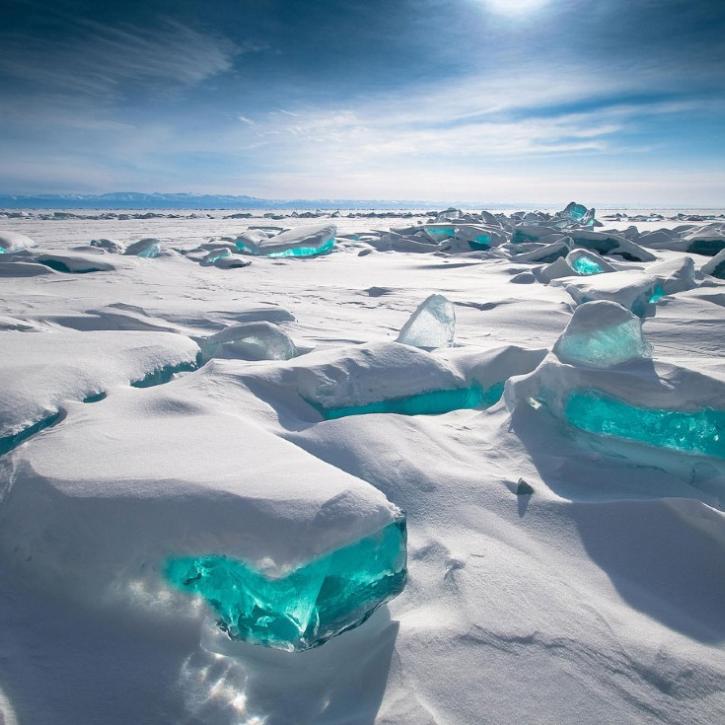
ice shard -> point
(249, 341)
(149, 248)
(308, 606)
(586, 266)
(432, 325)
(214, 256)
(601, 334)
(716, 266)
(698, 432)
(575, 211)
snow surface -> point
(597, 598)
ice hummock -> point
(432, 325)
(602, 334)
(306, 607)
(307, 241)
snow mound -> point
(231, 489)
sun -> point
(515, 7)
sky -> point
(616, 102)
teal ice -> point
(308, 606)
(698, 432)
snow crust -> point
(554, 575)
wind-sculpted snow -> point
(80, 364)
(564, 544)
(189, 478)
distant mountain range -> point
(138, 200)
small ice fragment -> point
(601, 334)
(432, 325)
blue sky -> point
(485, 100)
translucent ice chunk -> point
(657, 294)
(432, 325)
(436, 402)
(305, 608)
(700, 432)
(249, 341)
(601, 334)
(586, 266)
(214, 256)
(149, 248)
(440, 231)
(575, 211)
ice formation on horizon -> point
(602, 334)
(432, 325)
(305, 608)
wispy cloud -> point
(101, 60)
